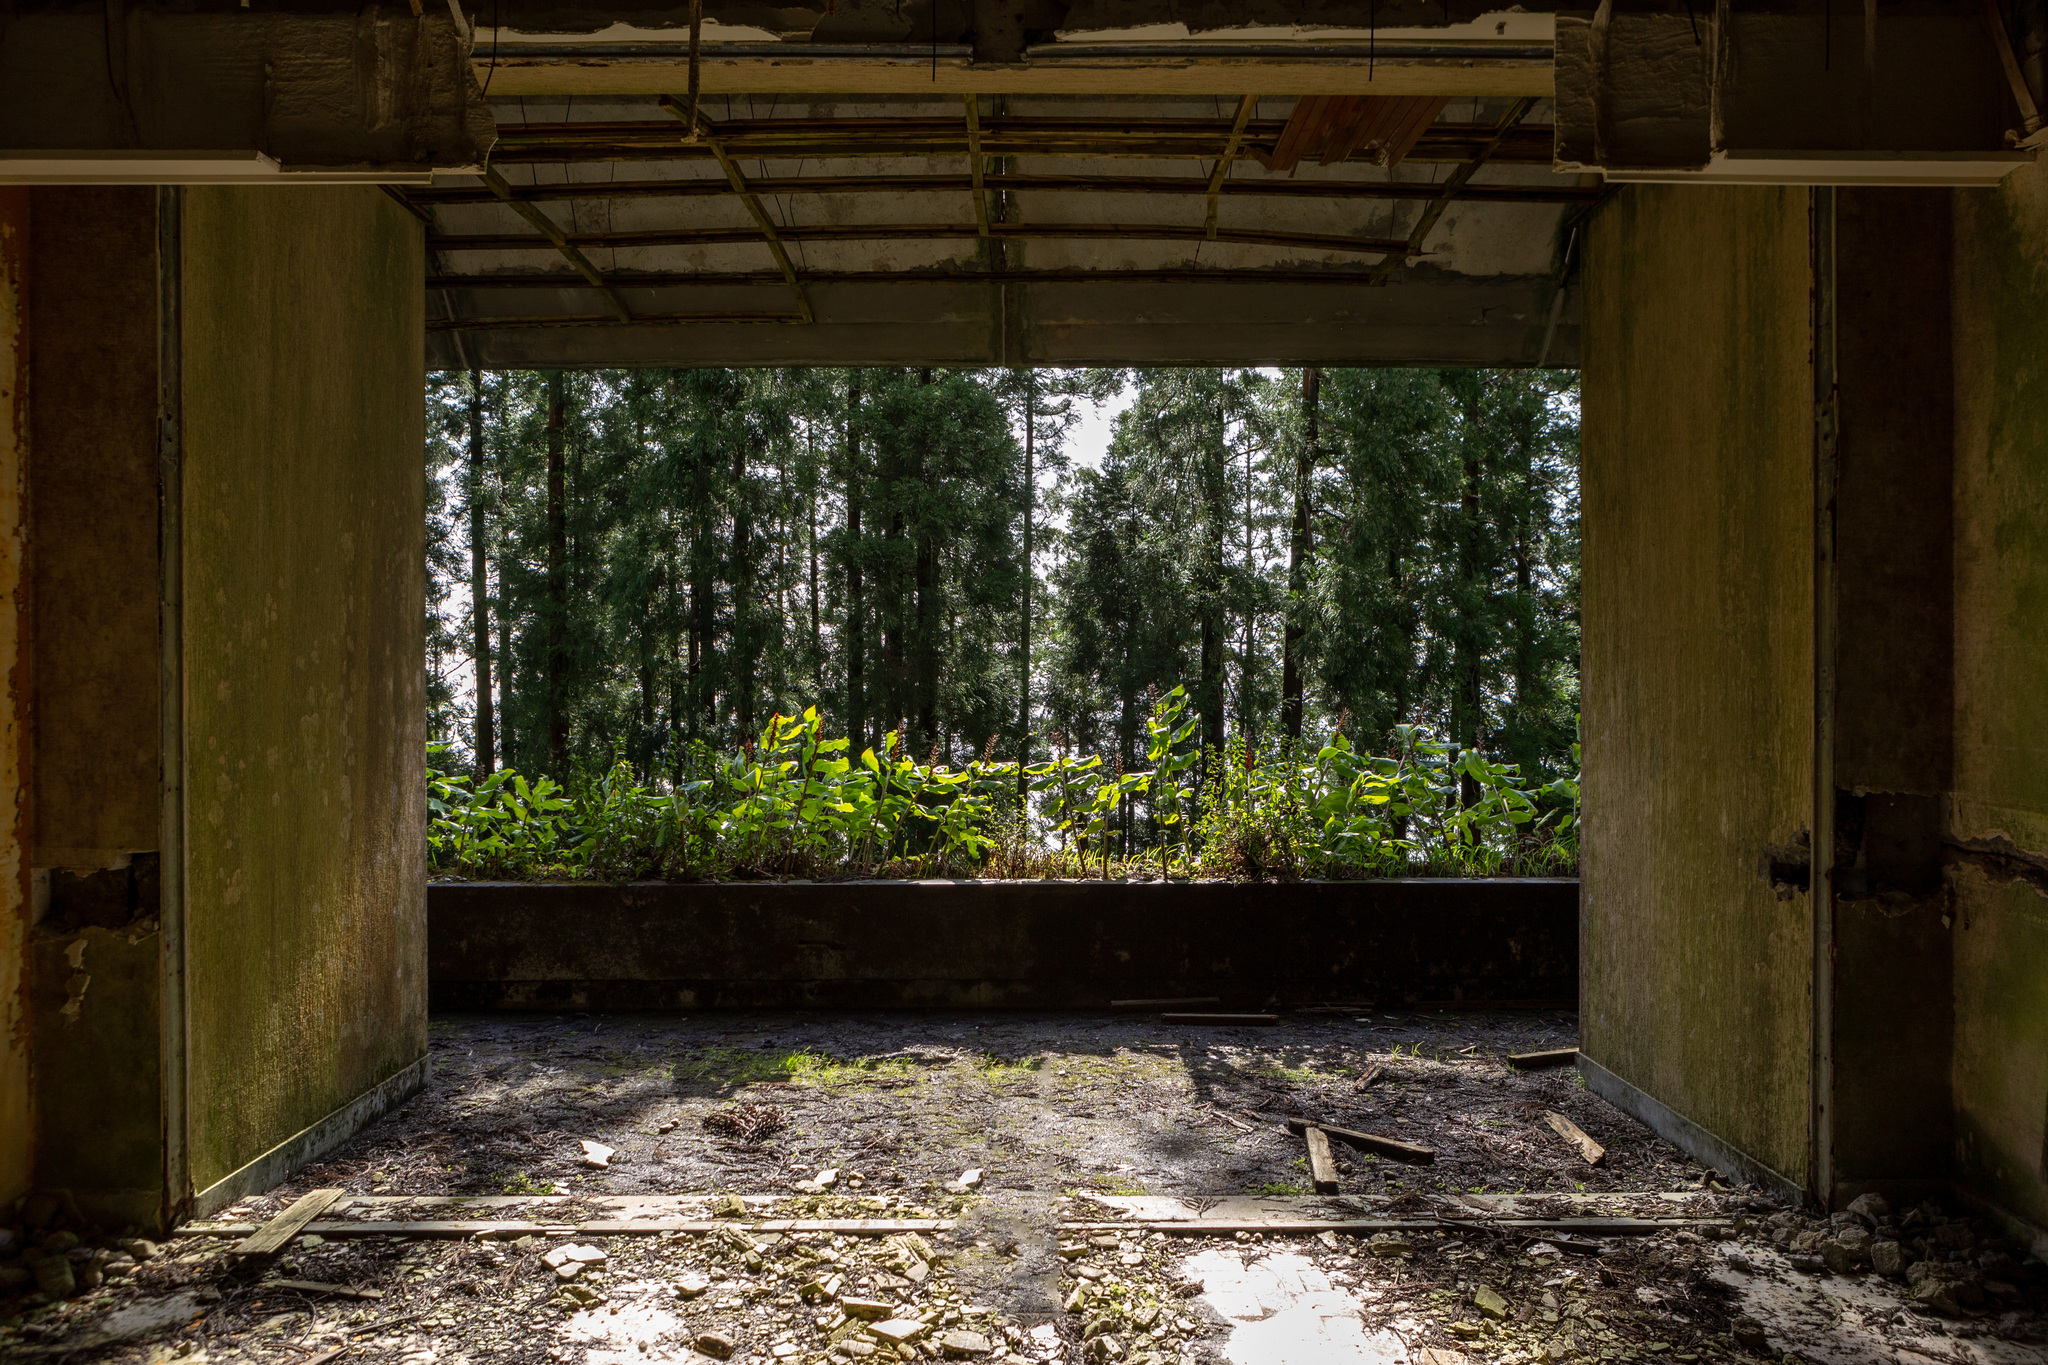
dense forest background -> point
(629, 564)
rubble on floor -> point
(1032, 1190)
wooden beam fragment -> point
(1220, 1019)
(1536, 1061)
(1372, 1142)
(1161, 1004)
(1322, 1167)
(1454, 183)
(1576, 1136)
(272, 1237)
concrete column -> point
(95, 961)
(16, 1146)
(1887, 1124)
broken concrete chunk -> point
(728, 1206)
(570, 1252)
(1848, 1251)
(1489, 1303)
(872, 1309)
(896, 1331)
(826, 1178)
(143, 1249)
(1868, 1208)
(959, 1344)
(969, 1179)
(54, 1277)
(1389, 1244)
(714, 1344)
(597, 1154)
(1749, 1334)
(1888, 1258)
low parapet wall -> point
(1000, 945)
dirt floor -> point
(1036, 1179)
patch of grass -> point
(1001, 1071)
(1279, 1188)
(736, 1067)
(519, 1182)
(1109, 1183)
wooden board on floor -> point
(1322, 1167)
(273, 1236)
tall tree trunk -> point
(856, 603)
(1215, 494)
(743, 614)
(1024, 609)
(811, 551)
(925, 641)
(893, 668)
(1468, 717)
(480, 585)
(558, 578)
(1299, 547)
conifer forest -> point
(658, 581)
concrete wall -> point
(16, 1138)
(1009, 945)
(1698, 658)
(303, 522)
(1999, 813)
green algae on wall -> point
(1697, 516)
(303, 524)
(2000, 1074)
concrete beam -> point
(1807, 94)
(1434, 318)
(104, 94)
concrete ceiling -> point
(1091, 241)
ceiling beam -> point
(907, 232)
(1566, 191)
(1455, 183)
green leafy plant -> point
(798, 804)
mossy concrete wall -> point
(1999, 813)
(304, 490)
(1698, 688)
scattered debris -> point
(1536, 1061)
(747, 1122)
(597, 1155)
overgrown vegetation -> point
(644, 565)
(800, 804)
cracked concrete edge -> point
(313, 1141)
(1705, 1147)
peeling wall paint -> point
(16, 1147)
(2000, 801)
(1698, 657)
(304, 513)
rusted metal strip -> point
(1245, 108)
(551, 230)
(701, 127)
